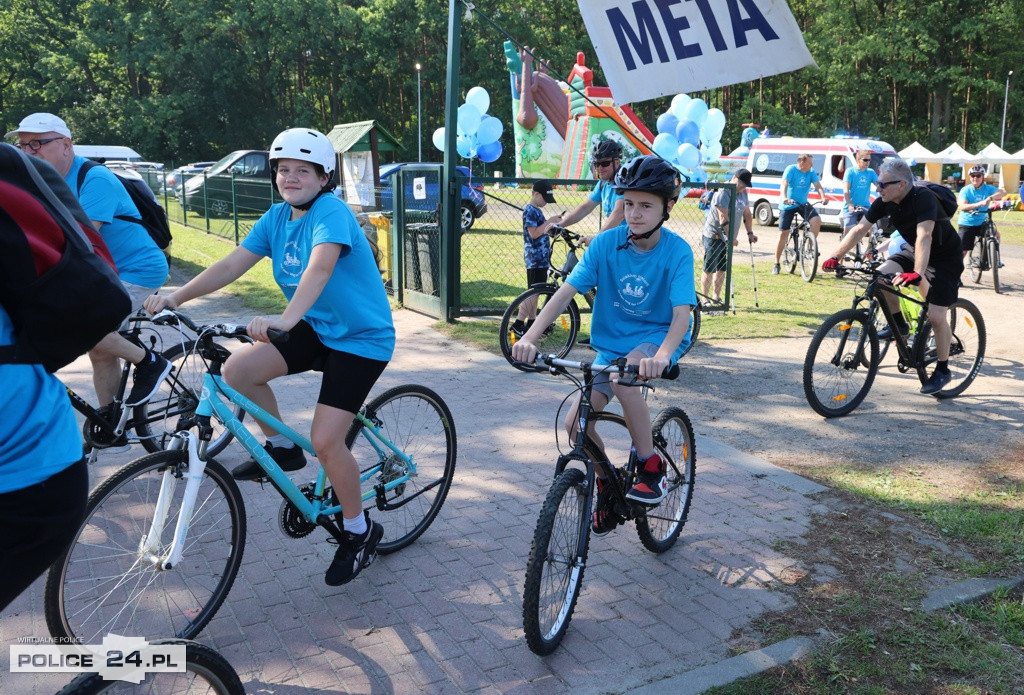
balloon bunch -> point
(478, 133)
(689, 135)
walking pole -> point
(753, 272)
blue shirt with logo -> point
(969, 194)
(352, 313)
(536, 252)
(860, 187)
(636, 290)
(605, 194)
(39, 436)
(137, 257)
(799, 185)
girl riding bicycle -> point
(645, 291)
(338, 319)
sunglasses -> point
(882, 184)
(604, 163)
(34, 145)
(977, 176)
(863, 159)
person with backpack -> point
(716, 232)
(44, 481)
(935, 259)
(141, 265)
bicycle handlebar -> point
(170, 317)
(556, 364)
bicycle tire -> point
(104, 583)
(558, 557)
(808, 256)
(418, 422)
(694, 326)
(177, 398)
(562, 336)
(790, 251)
(659, 528)
(993, 258)
(835, 378)
(966, 352)
(976, 261)
(206, 671)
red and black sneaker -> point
(651, 485)
(603, 520)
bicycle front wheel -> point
(791, 252)
(966, 349)
(993, 259)
(835, 378)
(558, 557)
(206, 671)
(110, 580)
(158, 419)
(673, 438)
(976, 261)
(808, 256)
(558, 338)
(418, 423)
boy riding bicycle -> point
(641, 312)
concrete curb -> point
(759, 468)
(967, 591)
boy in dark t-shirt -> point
(536, 249)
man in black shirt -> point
(936, 259)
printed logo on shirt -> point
(292, 263)
(633, 291)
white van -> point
(111, 153)
(769, 157)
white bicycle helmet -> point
(306, 145)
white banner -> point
(653, 48)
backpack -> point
(947, 198)
(704, 203)
(62, 296)
(154, 219)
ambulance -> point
(769, 157)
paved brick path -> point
(444, 615)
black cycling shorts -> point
(943, 275)
(968, 233)
(347, 378)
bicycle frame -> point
(871, 295)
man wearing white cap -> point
(140, 263)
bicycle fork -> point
(194, 478)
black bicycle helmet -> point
(651, 174)
(605, 149)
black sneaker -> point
(354, 553)
(651, 484)
(885, 332)
(776, 269)
(289, 458)
(603, 520)
(146, 380)
(936, 383)
(518, 328)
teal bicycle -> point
(163, 537)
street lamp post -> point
(1006, 95)
(419, 114)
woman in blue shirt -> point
(338, 318)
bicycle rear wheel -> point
(993, 259)
(835, 378)
(966, 350)
(976, 260)
(157, 419)
(673, 438)
(694, 326)
(206, 671)
(106, 582)
(790, 252)
(808, 256)
(417, 421)
(559, 337)
(558, 556)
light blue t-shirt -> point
(860, 187)
(605, 194)
(352, 313)
(137, 257)
(636, 290)
(39, 436)
(969, 194)
(799, 185)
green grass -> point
(1011, 226)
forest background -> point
(191, 81)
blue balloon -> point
(688, 131)
(665, 146)
(667, 123)
(489, 152)
(464, 146)
(696, 110)
(489, 131)
(468, 119)
(478, 97)
(688, 156)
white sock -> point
(356, 526)
(280, 440)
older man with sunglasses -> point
(605, 158)
(934, 259)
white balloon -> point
(478, 97)
(438, 138)
(679, 102)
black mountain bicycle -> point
(843, 356)
(985, 254)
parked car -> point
(474, 204)
(176, 179)
(246, 171)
